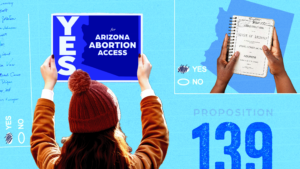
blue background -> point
(195, 31)
(203, 40)
(283, 22)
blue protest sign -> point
(104, 45)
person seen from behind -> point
(97, 140)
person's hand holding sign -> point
(224, 68)
(275, 60)
(49, 72)
(143, 72)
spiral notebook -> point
(248, 35)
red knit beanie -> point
(93, 106)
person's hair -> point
(105, 149)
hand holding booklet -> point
(248, 36)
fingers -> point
(233, 60)
(140, 60)
(47, 61)
(145, 59)
(147, 62)
(275, 39)
(224, 49)
(52, 62)
(268, 53)
(46, 64)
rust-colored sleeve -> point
(44, 148)
(154, 145)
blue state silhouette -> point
(283, 23)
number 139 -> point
(265, 152)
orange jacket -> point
(150, 153)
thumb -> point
(52, 62)
(268, 53)
(233, 60)
(145, 59)
(140, 60)
(47, 62)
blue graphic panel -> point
(283, 23)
